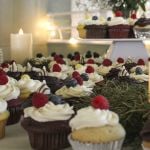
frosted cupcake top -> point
(44, 110)
(97, 115)
(3, 106)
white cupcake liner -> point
(145, 148)
(114, 145)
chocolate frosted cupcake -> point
(47, 123)
(118, 27)
(145, 134)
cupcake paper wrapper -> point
(2, 128)
(114, 145)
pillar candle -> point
(21, 46)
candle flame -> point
(21, 32)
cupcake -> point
(105, 67)
(4, 114)
(96, 128)
(96, 28)
(28, 86)
(145, 135)
(10, 92)
(142, 27)
(118, 27)
(47, 123)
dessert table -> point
(17, 139)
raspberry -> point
(89, 69)
(56, 68)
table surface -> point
(17, 139)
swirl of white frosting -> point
(59, 75)
(16, 67)
(132, 21)
(89, 83)
(3, 106)
(32, 85)
(103, 70)
(78, 91)
(140, 77)
(117, 21)
(49, 112)
(91, 117)
(143, 67)
(9, 91)
(95, 77)
(12, 81)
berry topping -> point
(75, 74)
(100, 102)
(39, 100)
(133, 16)
(56, 68)
(39, 55)
(94, 18)
(2, 72)
(118, 14)
(71, 83)
(120, 60)
(79, 80)
(53, 54)
(3, 79)
(76, 53)
(89, 69)
(56, 57)
(77, 57)
(69, 56)
(109, 19)
(107, 62)
(96, 55)
(90, 61)
(56, 99)
(140, 62)
(138, 70)
(4, 65)
(60, 60)
(85, 76)
(61, 56)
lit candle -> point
(21, 46)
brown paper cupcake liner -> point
(119, 31)
(96, 31)
(47, 135)
(2, 128)
(14, 107)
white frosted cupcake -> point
(96, 128)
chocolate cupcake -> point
(50, 129)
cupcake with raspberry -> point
(4, 114)
(91, 62)
(47, 123)
(10, 92)
(118, 27)
(93, 75)
(119, 62)
(96, 127)
(105, 67)
(140, 64)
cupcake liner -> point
(47, 135)
(82, 33)
(14, 107)
(119, 31)
(96, 31)
(114, 145)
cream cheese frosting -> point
(143, 67)
(103, 70)
(49, 112)
(59, 75)
(118, 21)
(78, 91)
(3, 106)
(9, 92)
(95, 77)
(91, 117)
(32, 85)
(140, 77)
